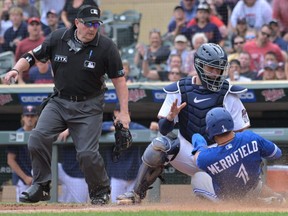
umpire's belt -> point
(78, 98)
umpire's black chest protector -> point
(199, 101)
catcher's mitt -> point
(123, 140)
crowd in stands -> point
(254, 33)
(247, 29)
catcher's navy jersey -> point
(235, 167)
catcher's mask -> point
(214, 56)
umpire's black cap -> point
(89, 13)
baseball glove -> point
(123, 140)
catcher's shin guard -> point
(154, 158)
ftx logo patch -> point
(60, 58)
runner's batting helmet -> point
(218, 121)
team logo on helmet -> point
(224, 129)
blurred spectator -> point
(234, 73)
(5, 21)
(280, 71)
(222, 10)
(197, 40)
(156, 52)
(34, 39)
(41, 73)
(276, 35)
(29, 10)
(127, 70)
(269, 57)
(47, 5)
(251, 34)
(244, 59)
(213, 18)
(174, 75)
(280, 13)
(18, 156)
(256, 12)
(238, 44)
(71, 178)
(269, 72)
(52, 22)
(180, 48)
(17, 32)
(163, 75)
(241, 28)
(189, 7)
(70, 10)
(179, 24)
(204, 25)
(258, 47)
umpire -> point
(80, 57)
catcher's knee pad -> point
(156, 154)
(154, 158)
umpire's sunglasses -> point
(90, 24)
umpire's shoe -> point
(128, 198)
(36, 193)
(101, 197)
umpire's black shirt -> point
(79, 68)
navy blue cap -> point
(29, 110)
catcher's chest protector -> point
(199, 101)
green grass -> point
(148, 213)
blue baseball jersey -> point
(235, 167)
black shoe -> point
(36, 193)
(101, 199)
(100, 196)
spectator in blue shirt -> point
(17, 32)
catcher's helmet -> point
(218, 121)
(214, 56)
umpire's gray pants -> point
(84, 120)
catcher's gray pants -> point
(84, 120)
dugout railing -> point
(140, 138)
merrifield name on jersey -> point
(233, 158)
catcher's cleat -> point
(128, 198)
(36, 193)
(100, 199)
